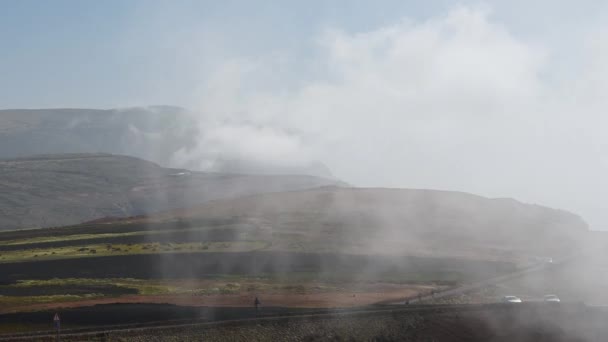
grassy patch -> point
(291, 284)
(144, 287)
(10, 301)
(87, 236)
(127, 249)
(42, 239)
(6, 328)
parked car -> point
(511, 299)
(550, 298)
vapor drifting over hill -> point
(167, 135)
(398, 221)
(56, 190)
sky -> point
(497, 98)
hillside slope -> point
(57, 190)
(403, 221)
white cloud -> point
(455, 102)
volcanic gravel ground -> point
(497, 323)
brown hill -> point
(403, 221)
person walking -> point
(256, 303)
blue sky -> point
(106, 53)
(117, 53)
(501, 98)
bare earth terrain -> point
(376, 294)
(495, 323)
(320, 300)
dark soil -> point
(494, 323)
(187, 265)
(117, 314)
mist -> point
(458, 100)
(497, 98)
(433, 169)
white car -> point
(551, 298)
(511, 299)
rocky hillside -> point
(57, 190)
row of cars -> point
(550, 298)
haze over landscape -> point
(482, 97)
(385, 171)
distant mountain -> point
(55, 190)
(152, 133)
